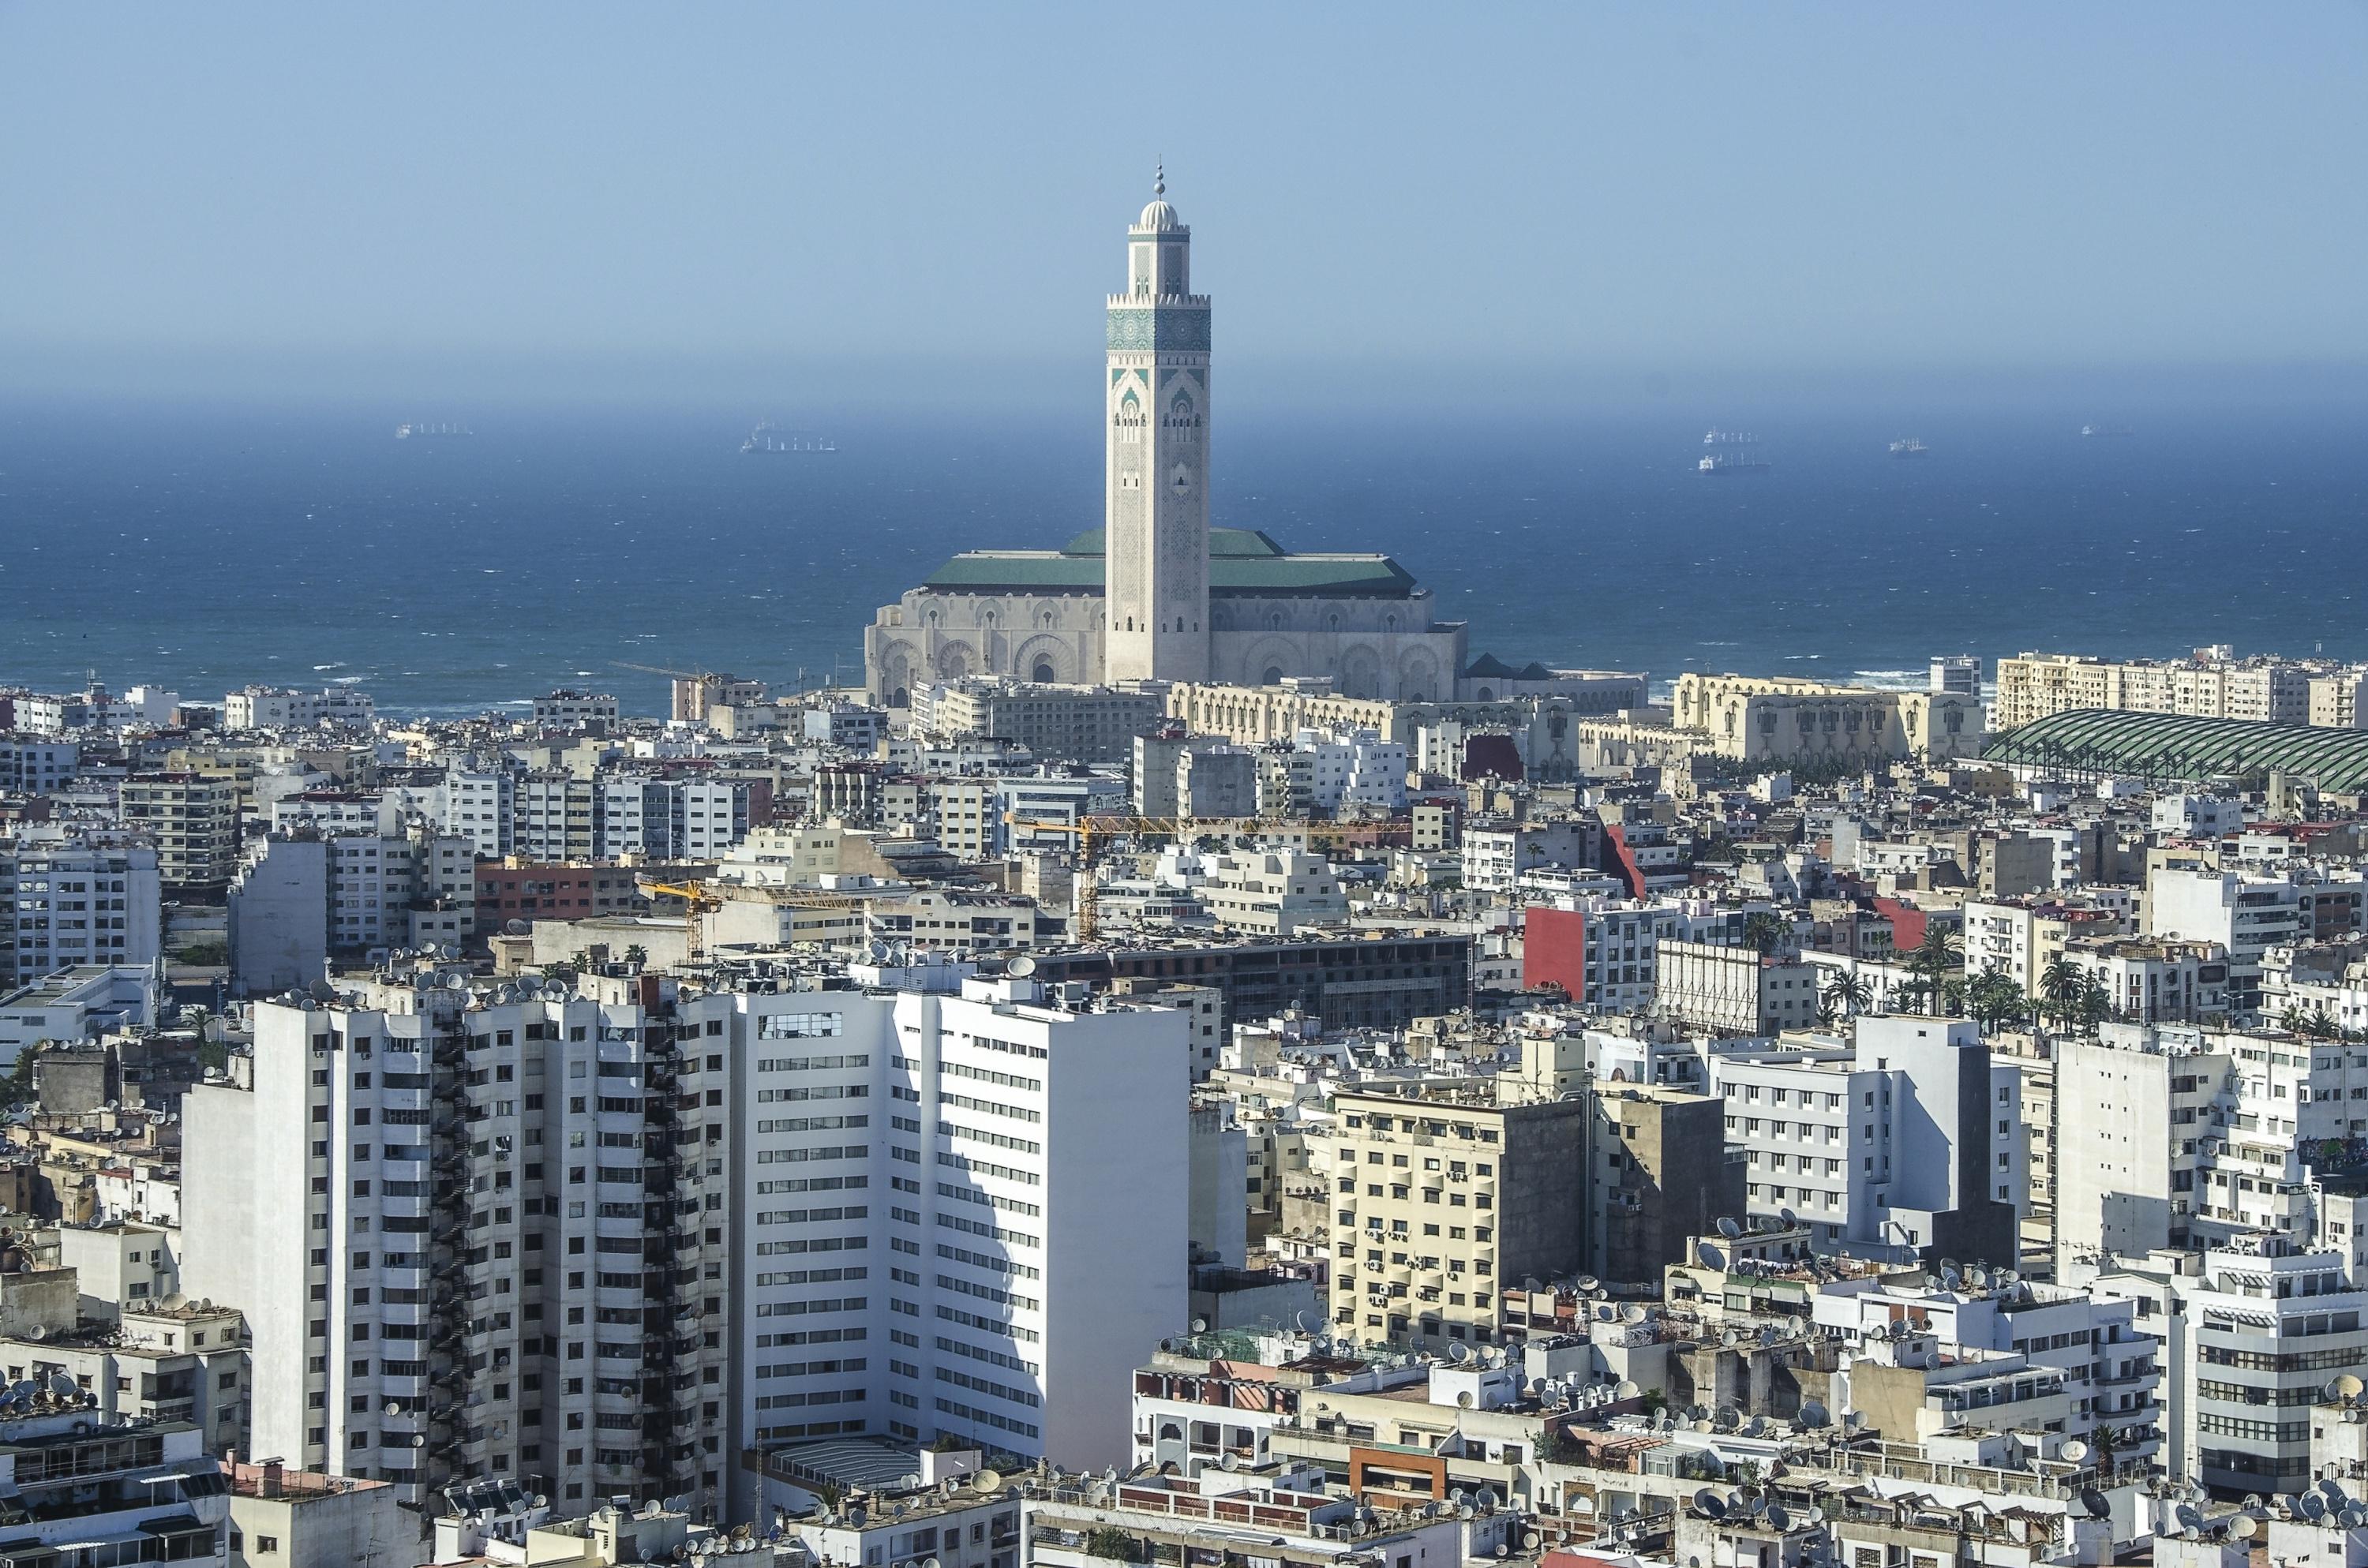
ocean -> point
(205, 547)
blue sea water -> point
(205, 547)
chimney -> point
(271, 1473)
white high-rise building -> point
(952, 1214)
(476, 1233)
(607, 1241)
(1156, 426)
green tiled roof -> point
(2168, 747)
(1241, 561)
(1222, 542)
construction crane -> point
(1089, 831)
(660, 670)
(697, 902)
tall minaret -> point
(1156, 528)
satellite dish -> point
(1631, 1313)
(2241, 1527)
(1728, 1228)
(1708, 1255)
(2313, 1506)
(1232, 1460)
(1814, 1413)
(394, 1408)
(1787, 1217)
(2189, 1519)
(2075, 1451)
(516, 928)
(1588, 1282)
(1021, 968)
(2346, 1387)
(1778, 1519)
(1463, 1401)
(987, 1481)
(2094, 1501)
(1200, 1326)
(1626, 1389)
(1459, 1352)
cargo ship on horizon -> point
(766, 439)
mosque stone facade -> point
(1156, 593)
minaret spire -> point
(1159, 179)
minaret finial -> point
(1159, 180)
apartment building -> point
(2155, 982)
(1908, 1143)
(476, 1233)
(66, 902)
(2244, 916)
(1093, 724)
(1382, 981)
(1441, 1199)
(2252, 1333)
(2108, 1370)
(567, 707)
(30, 765)
(2019, 937)
(163, 1359)
(2210, 684)
(82, 1488)
(1661, 1170)
(191, 820)
(956, 1213)
(283, 708)
(2178, 1136)
(1274, 892)
(2339, 700)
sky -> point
(927, 201)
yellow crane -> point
(697, 902)
(1090, 831)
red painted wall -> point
(1553, 948)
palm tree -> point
(637, 955)
(2291, 1021)
(1764, 933)
(1828, 1014)
(1995, 1000)
(2096, 1004)
(1850, 993)
(2061, 984)
(1940, 954)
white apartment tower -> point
(1156, 584)
(955, 1214)
(476, 1233)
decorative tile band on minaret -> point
(1156, 513)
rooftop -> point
(2168, 747)
(1241, 560)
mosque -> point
(1156, 593)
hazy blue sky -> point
(554, 194)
